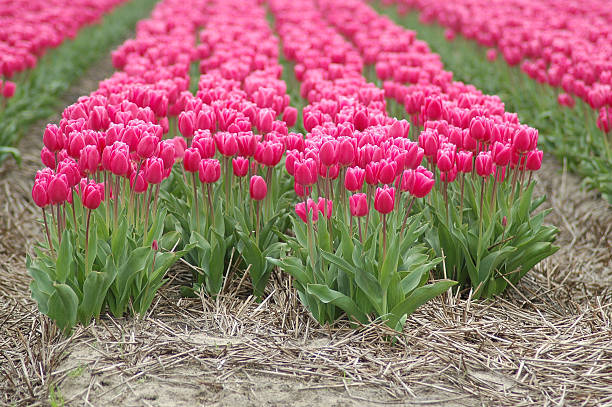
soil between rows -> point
(548, 341)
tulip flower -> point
(257, 188)
(53, 138)
(58, 189)
(307, 210)
(191, 159)
(358, 205)
(209, 171)
(353, 179)
(240, 166)
(290, 116)
(305, 172)
(186, 123)
(384, 200)
(484, 164)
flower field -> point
(314, 201)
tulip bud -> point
(9, 89)
(305, 172)
(445, 160)
(387, 172)
(534, 160)
(290, 116)
(501, 154)
(358, 204)
(353, 180)
(328, 153)
(167, 153)
(40, 195)
(464, 161)
(306, 210)
(484, 164)
(191, 159)
(209, 170)
(346, 151)
(154, 170)
(384, 199)
(146, 146)
(325, 206)
(91, 196)
(240, 166)
(301, 190)
(258, 188)
(186, 123)
(89, 159)
(53, 138)
(58, 189)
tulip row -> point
(346, 257)
(237, 127)
(38, 90)
(552, 42)
(107, 247)
(143, 172)
(30, 28)
(468, 137)
(566, 55)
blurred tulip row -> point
(372, 215)
(561, 43)
(30, 28)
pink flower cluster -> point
(31, 27)
(114, 136)
(350, 138)
(239, 90)
(562, 43)
(462, 126)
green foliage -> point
(39, 91)
(337, 273)
(488, 257)
(234, 226)
(119, 270)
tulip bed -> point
(566, 91)
(46, 47)
(371, 211)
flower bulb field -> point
(306, 202)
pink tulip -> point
(258, 188)
(353, 179)
(209, 170)
(484, 164)
(191, 160)
(91, 196)
(240, 166)
(384, 199)
(58, 189)
(359, 205)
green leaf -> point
(63, 307)
(94, 292)
(418, 297)
(340, 262)
(389, 265)
(329, 296)
(371, 288)
(64, 258)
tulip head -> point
(258, 188)
(359, 205)
(384, 199)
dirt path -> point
(549, 343)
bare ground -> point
(548, 342)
